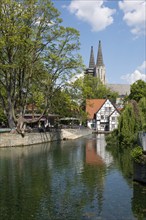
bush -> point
(144, 127)
(137, 154)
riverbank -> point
(14, 140)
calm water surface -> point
(70, 180)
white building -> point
(102, 115)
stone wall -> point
(13, 140)
(139, 172)
(142, 140)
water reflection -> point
(68, 180)
(122, 161)
(94, 173)
(96, 152)
(101, 149)
(139, 201)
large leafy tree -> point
(132, 118)
(89, 87)
(138, 90)
(130, 122)
(37, 55)
(142, 107)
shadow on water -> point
(123, 161)
(68, 180)
(139, 201)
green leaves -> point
(36, 53)
(138, 90)
(137, 154)
(90, 87)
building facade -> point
(102, 115)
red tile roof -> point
(92, 106)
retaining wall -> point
(13, 140)
(142, 140)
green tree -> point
(132, 118)
(142, 106)
(130, 122)
(89, 87)
(137, 90)
(37, 55)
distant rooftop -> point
(122, 89)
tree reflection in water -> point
(139, 201)
(122, 160)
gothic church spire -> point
(99, 61)
(91, 61)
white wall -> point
(113, 121)
(102, 116)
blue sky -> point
(121, 27)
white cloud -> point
(142, 67)
(74, 78)
(139, 73)
(94, 13)
(134, 15)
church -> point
(98, 70)
(102, 114)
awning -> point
(69, 119)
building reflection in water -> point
(98, 159)
(96, 151)
(101, 150)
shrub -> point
(137, 154)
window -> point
(113, 119)
(102, 117)
(108, 109)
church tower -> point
(91, 68)
(100, 67)
(97, 70)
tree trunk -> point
(10, 119)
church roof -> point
(122, 89)
(99, 56)
(91, 61)
(93, 105)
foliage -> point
(112, 139)
(132, 118)
(37, 55)
(144, 127)
(129, 124)
(93, 88)
(89, 87)
(142, 107)
(3, 119)
(63, 104)
(137, 90)
(136, 154)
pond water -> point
(69, 180)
